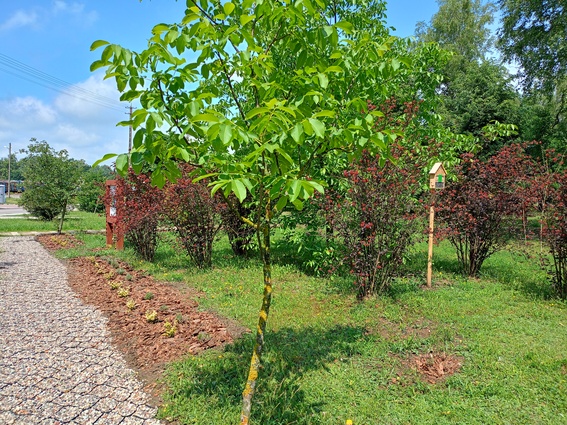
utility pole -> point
(9, 166)
(129, 113)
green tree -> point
(534, 34)
(475, 90)
(52, 179)
(542, 117)
(92, 188)
(460, 26)
(254, 94)
(15, 168)
(481, 92)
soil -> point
(129, 298)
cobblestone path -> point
(56, 363)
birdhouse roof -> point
(438, 169)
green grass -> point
(11, 200)
(330, 358)
(75, 220)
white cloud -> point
(25, 112)
(92, 99)
(76, 10)
(42, 17)
(19, 18)
(87, 131)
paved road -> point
(56, 363)
(7, 210)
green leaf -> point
(239, 190)
(206, 118)
(98, 43)
(294, 189)
(317, 186)
(97, 64)
(228, 8)
(395, 64)
(323, 80)
(297, 132)
(318, 127)
(158, 179)
(307, 127)
(104, 158)
(256, 111)
(298, 204)
(122, 163)
(334, 68)
(159, 28)
(282, 202)
(345, 26)
(325, 113)
(244, 19)
(225, 133)
(137, 160)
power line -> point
(28, 73)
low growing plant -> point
(131, 305)
(151, 316)
(115, 284)
(170, 329)
(123, 292)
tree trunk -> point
(249, 389)
(60, 227)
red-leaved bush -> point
(552, 201)
(376, 218)
(556, 232)
(138, 207)
(479, 211)
(196, 216)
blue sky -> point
(44, 45)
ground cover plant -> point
(471, 350)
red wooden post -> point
(112, 232)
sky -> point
(47, 91)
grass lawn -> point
(330, 358)
(74, 220)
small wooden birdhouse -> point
(437, 176)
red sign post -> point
(112, 233)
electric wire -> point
(28, 73)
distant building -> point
(15, 185)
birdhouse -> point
(437, 177)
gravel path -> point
(56, 363)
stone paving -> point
(57, 365)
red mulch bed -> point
(145, 345)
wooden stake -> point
(430, 252)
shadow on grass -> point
(214, 382)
